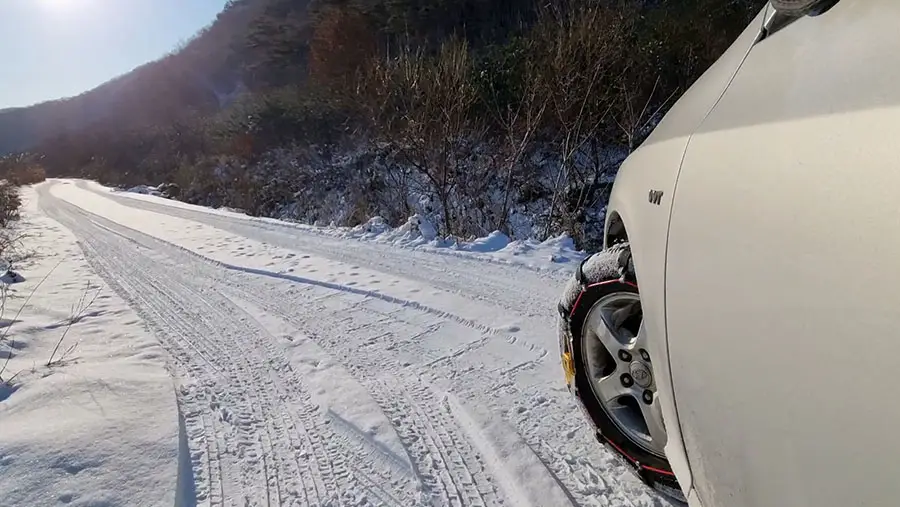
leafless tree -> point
(580, 44)
(423, 108)
(519, 125)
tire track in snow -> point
(451, 471)
(253, 438)
(231, 420)
(342, 322)
(433, 439)
(379, 468)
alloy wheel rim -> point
(619, 369)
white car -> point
(738, 340)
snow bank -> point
(373, 228)
(493, 242)
(101, 427)
(557, 253)
(554, 254)
(145, 190)
(416, 231)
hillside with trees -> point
(481, 115)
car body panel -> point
(781, 280)
(654, 167)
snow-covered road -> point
(313, 370)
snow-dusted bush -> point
(10, 202)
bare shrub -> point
(423, 107)
(10, 202)
(79, 309)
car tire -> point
(600, 276)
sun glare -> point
(58, 4)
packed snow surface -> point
(239, 361)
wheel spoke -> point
(610, 388)
(598, 324)
(621, 411)
(619, 316)
(640, 341)
(653, 417)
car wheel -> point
(609, 365)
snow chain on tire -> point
(660, 480)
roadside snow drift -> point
(100, 426)
(555, 254)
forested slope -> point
(481, 114)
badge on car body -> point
(656, 197)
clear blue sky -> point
(51, 49)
